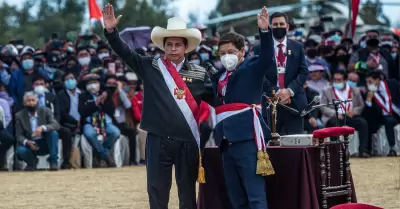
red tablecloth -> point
(296, 184)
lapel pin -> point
(190, 80)
(289, 52)
(184, 79)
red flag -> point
(354, 9)
(95, 11)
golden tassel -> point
(261, 163)
(269, 169)
(201, 177)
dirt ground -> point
(376, 182)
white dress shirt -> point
(343, 96)
(284, 49)
(178, 67)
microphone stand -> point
(336, 106)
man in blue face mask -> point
(69, 115)
(340, 91)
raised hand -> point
(110, 23)
(262, 19)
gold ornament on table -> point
(273, 101)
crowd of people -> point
(67, 88)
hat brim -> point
(192, 35)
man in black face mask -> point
(291, 74)
(373, 57)
(36, 131)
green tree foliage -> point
(36, 20)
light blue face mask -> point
(352, 83)
(363, 44)
(204, 56)
(28, 64)
(338, 86)
(394, 55)
(70, 84)
(336, 38)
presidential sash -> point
(185, 101)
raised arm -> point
(266, 56)
(128, 55)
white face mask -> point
(84, 61)
(229, 61)
(41, 90)
(103, 55)
(372, 87)
(196, 61)
(93, 88)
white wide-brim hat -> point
(177, 27)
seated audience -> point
(382, 105)
(36, 131)
(317, 82)
(348, 113)
(96, 109)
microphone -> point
(317, 99)
(334, 102)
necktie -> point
(281, 63)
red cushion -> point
(355, 206)
(333, 131)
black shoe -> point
(53, 167)
(110, 162)
(65, 166)
(30, 168)
(364, 155)
(142, 162)
(392, 153)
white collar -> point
(77, 91)
(178, 67)
(284, 42)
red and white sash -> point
(342, 97)
(182, 95)
(228, 110)
(384, 101)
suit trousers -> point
(288, 123)
(246, 189)
(163, 153)
(389, 122)
(142, 135)
(131, 134)
(358, 123)
(66, 137)
(47, 145)
(6, 141)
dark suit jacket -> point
(245, 85)
(295, 75)
(374, 114)
(23, 128)
(65, 102)
(161, 113)
(53, 104)
(87, 106)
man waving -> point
(174, 91)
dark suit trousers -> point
(288, 123)
(389, 122)
(66, 136)
(246, 189)
(6, 141)
(131, 134)
(358, 123)
(161, 154)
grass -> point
(376, 181)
